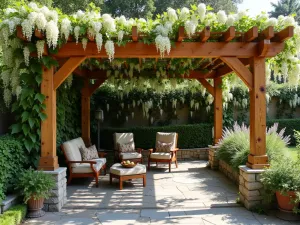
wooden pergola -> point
(241, 53)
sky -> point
(256, 6)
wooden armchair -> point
(166, 149)
(79, 168)
(125, 148)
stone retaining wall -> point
(229, 171)
(212, 158)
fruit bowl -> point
(128, 164)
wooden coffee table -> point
(119, 172)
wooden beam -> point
(205, 34)
(208, 63)
(181, 35)
(263, 48)
(251, 34)
(48, 160)
(284, 34)
(68, 67)
(239, 68)
(95, 86)
(218, 110)
(228, 35)
(134, 34)
(258, 158)
(267, 33)
(85, 113)
(207, 85)
(181, 50)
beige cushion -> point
(86, 168)
(88, 153)
(160, 155)
(118, 169)
(126, 147)
(130, 155)
(71, 149)
(167, 138)
(122, 138)
(163, 147)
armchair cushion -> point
(121, 138)
(72, 152)
(130, 155)
(163, 147)
(89, 153)
(167, 138)
(160, 155)
(127, 147)
(86, 167)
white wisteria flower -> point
(7, 96)
(289, 21)
(76, 33)
(122, 20)
(97, 26)
(163, 45)
(26, 53)
(110, 49)
(40, 21)
(109, 23)
(40, 48)
(33, 6)
(209, 19)
(242, 13)
(8, 11)
(52, 33)
(222, 17)
(231, 19)
(172, 15)
(27, 29)
(99, 41)
(190, 27)
(65, 28)
(120, 35)
(184, 13)
(84, 42)
(272, 22)
(201, 11)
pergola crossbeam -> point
(207, 85)
(204, 34)
(228, 35)
(95, 86)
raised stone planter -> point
(212, 158)
(8, 202)
(229, 171)
(59, 193)
(250, 187)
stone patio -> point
(191, 194)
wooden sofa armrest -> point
(139, 150)
(174, 150)
(91, 162)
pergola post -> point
(86, 113)
(48, 160)
(257, 158)
(218, 109)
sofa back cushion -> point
(71, 149)
(122, 138)
(167, 138)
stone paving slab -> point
(191, 194)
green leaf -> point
(39, 79)
(25, 116)
(25, 129)
(40, 97)
(36, 68)
(43, 116)
(31, 122)
(16, 128)
(36, 108)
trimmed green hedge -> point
(12, 162)
(289, 124)
(189, 136)
(14, 215)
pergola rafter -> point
(249, 49)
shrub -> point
(235, 144)
(14, 215)
(289, 124)
(12, 163)
(189, 136)
(297, 138)
(36, 184)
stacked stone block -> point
(229, 171)
(212, 158)
(59, 193)
(250, 188)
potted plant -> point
(283, 179)
(35, 186)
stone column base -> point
(212, 157)
(250, 188)
(59, 193)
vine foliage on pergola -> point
(217, 44)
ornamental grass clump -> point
(235, 144)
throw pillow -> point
(127, 147)
(163, 147)
(88, 153)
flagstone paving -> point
(191, 194)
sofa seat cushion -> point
(71, 149)
(118, 169)
(86, 168)
(130, 155)
(160, 155)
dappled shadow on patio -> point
(192, 185)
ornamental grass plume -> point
(235, 144)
